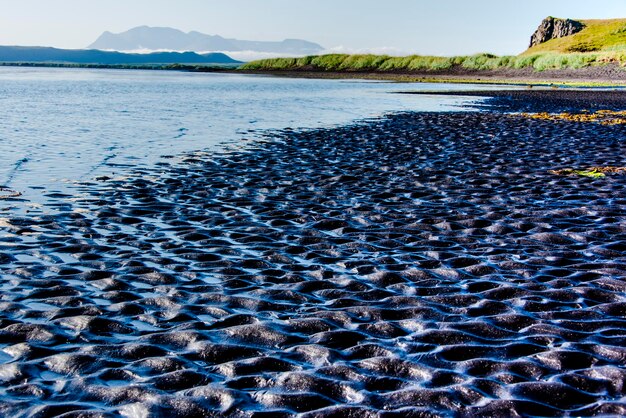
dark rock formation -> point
(553, 28)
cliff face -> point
(553, 28)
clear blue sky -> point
(440, 27)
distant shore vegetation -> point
(171, 67)
(383, 63)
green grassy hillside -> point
(601, 42)
(596, 36)
(415, 63)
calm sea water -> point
(58, 126)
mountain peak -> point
(165, 38)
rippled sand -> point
(423, 265)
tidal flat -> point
(419, 264)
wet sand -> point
(423, 264)
(542, 99)
(606, 75)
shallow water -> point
(63, 125)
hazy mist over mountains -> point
(155, 38)
(146, 45)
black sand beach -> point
(423, 264)
(543, 99)
(593, 75)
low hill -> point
(592, 36)
(22, 54)
(590, 49)
(151, 38)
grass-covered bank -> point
(598, 69)
(383, 63)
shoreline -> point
(417, 264)
(542, 99)
(605, 76)
(600, 76)
(149, 67)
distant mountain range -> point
(16, 54)
(151, 38)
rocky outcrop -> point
(553, 28)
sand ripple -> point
(419, 265)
